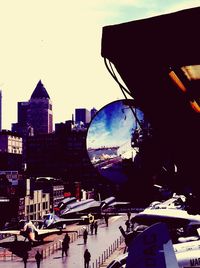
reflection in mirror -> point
(114, 137)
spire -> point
(40, 92)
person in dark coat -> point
(65, 244)
(106, 219)
(67, 239)
(38, 258)
(129, 215)
(85, 235)
(92, 227)
(25, 258)
(87, 257)
(95, 227)
(128, 224)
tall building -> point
(22, 126)
(0, 110)
(82, 115)
(39, 114)
(35, 116)
(93, 112)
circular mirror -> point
(113, 139)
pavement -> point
(107, 242)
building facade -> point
(10, 151)
(61, 154)
(36, 115)
(93, 112)
(37, 205)
(82, 115)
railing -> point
(107, 253)
(57, 245)
(6, 255)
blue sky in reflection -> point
(112, 126)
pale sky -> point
(59, 42)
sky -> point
(112, 126)
(59, 43)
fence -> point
(57, 245)
(46, 251)
(107, 253)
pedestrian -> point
(92, 227)
(38, 258)
(65, 245)
(87, 257)
(128, 224)
(67, 239)
(25, 258)
(85, 235)
(106, 219)
(129, 215)
(95, 226)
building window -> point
(31, 208)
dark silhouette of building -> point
(54, 187)
(40, 114)
(5, 200)
(61, 154)
(35, 116)
(82, 115)
(93, 112)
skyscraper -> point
(39, 113)
(35, 116)
(82, 115)
(93, 112)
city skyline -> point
(60, 44)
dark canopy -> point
(144, 53)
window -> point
(31, 208)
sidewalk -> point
(98, 245)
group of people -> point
(38, 258)
(93, 227)
(65, 245)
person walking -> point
(127, 223)
(65, 244)
(92, 227)
(129, 215)
(87, 257)
(25, 258)
(95, 227)
(38, 258)
(85, 235)
(67, 238)
(106, 219)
